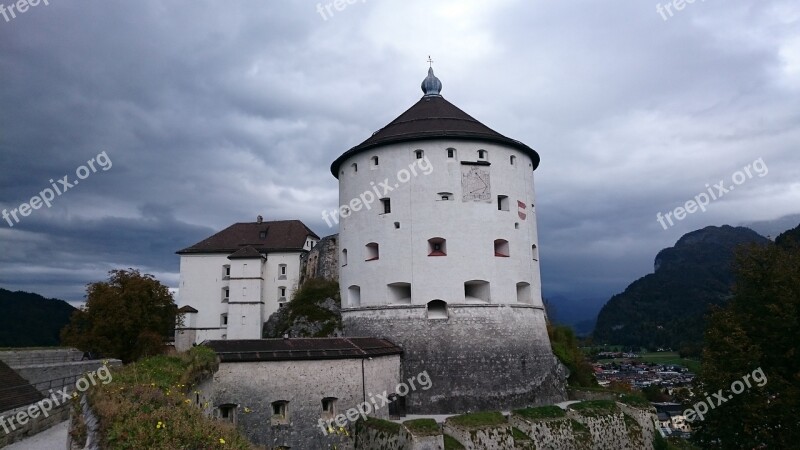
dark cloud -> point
(215, 112)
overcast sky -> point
(211, 113)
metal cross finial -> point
(430, 61)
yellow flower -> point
(160, 425)
(187, 401)
(247, 410)
(222, 441)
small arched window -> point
(419, 154)
(501, 248)
(371, 252)
(355, 167)
(535, 252)
(483, 154)
(354, 296)
(344, 257)
(374, 160)
(437, 309)
(513, 160)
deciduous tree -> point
(127, 317)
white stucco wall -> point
(254, 293)
(469, 228)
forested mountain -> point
(30, 320)
(667, 308)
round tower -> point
(439, 254)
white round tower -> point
(439, 253)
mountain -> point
(30, 320)
(667, 308)
(580, 315)
(772, 228)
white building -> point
(445, 262)
(233, 281)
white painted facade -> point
(255, 288)
(433, 206)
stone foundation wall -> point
(482, 357)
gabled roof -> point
(187, 310)
(301, 349)
(246, 253)
(430, 118)
(264, 237)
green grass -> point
(595, 407)
(578, 427)
(479, 419)
(382, 425)
(542, 412)
(422, 427)
(450, 443)
(519, 435)
(637, 400)
(148, 404)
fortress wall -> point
(482, 357)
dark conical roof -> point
(430, 118)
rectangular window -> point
(387, 205)
(282, 272)
(502, 203)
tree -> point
(127, 317)
(565, 347)
(757, 331)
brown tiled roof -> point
(301, 349)
(15, 391)
(433, 117)
(246, 253)
(280, 235)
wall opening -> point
(437, 309)
(399, 293)
(513, 160)
(344, 257)
(476, 291)
(502, 203)
(227, 413)
(280, 412)
(524, 293)
(374, 160)
(483, 155)
(445, 196)
(354, 296)
(437, 247)
(329, 407)
(501, 248)
(371, 252)
(387, 205)
(535, 252)
(419, 154)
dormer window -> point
(262, 234)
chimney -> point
(259, 219)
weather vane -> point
(430, 61)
